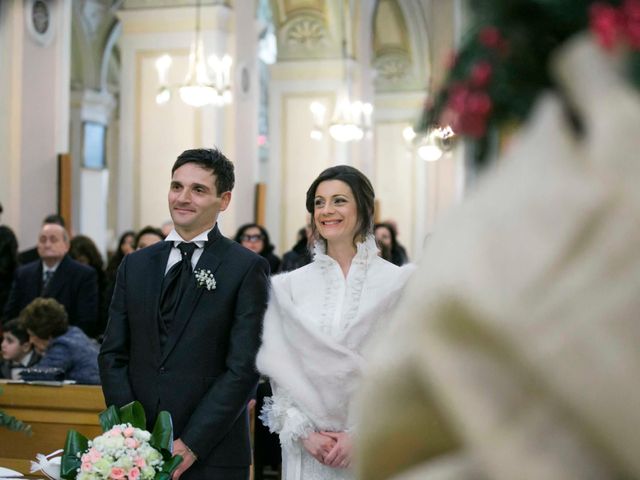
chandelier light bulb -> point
(429, 152)
(163, 96)
(408, 134)
(163, 64)
(316, 134)
(207, 81)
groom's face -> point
(194, 203)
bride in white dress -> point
(319, 319)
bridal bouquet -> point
(125, 451)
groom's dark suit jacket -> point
(205, 373)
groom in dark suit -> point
(184, 325)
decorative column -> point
(91, 114)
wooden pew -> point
(51, 412)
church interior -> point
(94, 111)
(514, 344)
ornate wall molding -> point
(305, 36)
(394, 71)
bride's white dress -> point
(316, 326)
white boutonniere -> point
(204, 278)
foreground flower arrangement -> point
(126, 451)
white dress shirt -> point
(175, 256)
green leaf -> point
(133, 413)
(170, 465)
(162, 435)
(75, 443)
(13, 424)
(109, 418)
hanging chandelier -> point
(351, 120)
(433, 144)
(208, 82)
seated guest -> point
(17, 351)
(255, 238)
(390, 249)
(82, 249)
(62, 346)
(32, 254)
(125, 247)
(58, 276)
(147, 236)
(299, 255)
(8, 262)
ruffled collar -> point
(365, 251)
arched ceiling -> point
(400, 45)
(93, 27)
(305, 29)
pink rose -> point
(128, 432)
(94, 455)
(458, 94)
(85, 458)
(117, 473)
(115, 431)
(479, 103)
(481, 74)
(130, 442)
(605, 23)
(86, 466)
(490, 37)
(139, 462)
(134, 474)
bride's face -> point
(335, 211)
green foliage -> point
(162, 435)
(532, 30)
(70, 463)
(13, 424)
(133, 413)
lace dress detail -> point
(336, 318)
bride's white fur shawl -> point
(318, 372)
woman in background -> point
(62, 346)
(319, 319)
(390, 250)
(256, 238)
(125, 247)
(84, 250)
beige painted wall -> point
(36, 116)
(395, 180)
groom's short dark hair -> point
(210, 159)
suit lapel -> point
(158, 264)
(211, 257)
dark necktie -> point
(48, 274)
(174, 284)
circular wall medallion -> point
(39, 19)
(40, 16)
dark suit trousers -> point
(201, 471)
